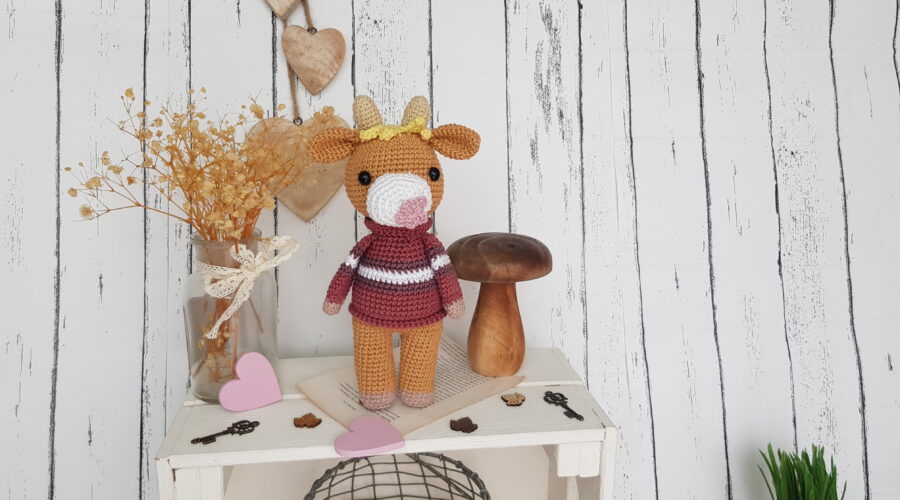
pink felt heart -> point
(369, 435)
(255, 386)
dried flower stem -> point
(217, 175)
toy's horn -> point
(417, 108)
(365, 113)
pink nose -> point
(412, 212)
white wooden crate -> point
(576, 448)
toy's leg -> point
(374, 365)
(418, 357)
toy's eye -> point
(365, 178)
(434, 174)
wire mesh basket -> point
(414, 475)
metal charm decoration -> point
(560, 399)
(240, 427)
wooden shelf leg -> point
(165, 478)
(608, 463)
(567, 457)
(571, 461)
(200, 483)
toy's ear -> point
(455, 141)
(418, 107)
(333, 144)
(365, 113)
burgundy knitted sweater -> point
(401, 278)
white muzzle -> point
(399, 200)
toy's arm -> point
(343, 278)
(448, 284)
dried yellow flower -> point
(72, 192)
(257, 110)
(213, 178)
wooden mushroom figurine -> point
(498, 261)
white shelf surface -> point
(535, 423)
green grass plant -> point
(801, 477)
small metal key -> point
(560, 399)
(239, 427)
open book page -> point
(457, 387)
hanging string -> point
(306, 13)
(292, 77)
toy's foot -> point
(377, 401)
(417, 399)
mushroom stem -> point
(496, 338)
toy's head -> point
(393, 175)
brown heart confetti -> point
(514, 399)
(307, 421)
(464, 424)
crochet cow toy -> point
(400, 274)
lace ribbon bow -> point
(221, 282)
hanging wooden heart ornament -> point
(282, 8)
(317, 182)
(314, 56)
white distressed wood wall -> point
(717, 181)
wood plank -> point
(545, 167)
(744, 230)
(607, 476)
(669, 166)
(172, 436)
(202, 483)
(813, 250)
(391, 63)
(233, 68)
(542, 366)
(276, 440)
(166, 246)
(102, 262)
(28, 239)
(212, 483)
(617, 361)
(867, 96)
(469, 85)
(304, 329)
(166, 480)
(187, 484)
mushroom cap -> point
(499, 258)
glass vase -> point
(252, 328)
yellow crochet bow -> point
(388, 132)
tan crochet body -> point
(381, 149)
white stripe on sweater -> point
(440, 261)
(352, 261)
(396, 277)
